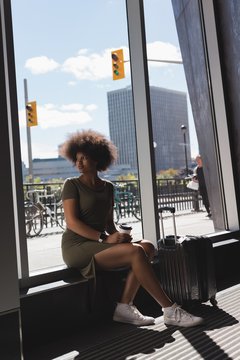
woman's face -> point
(199, 161)
(85, 164)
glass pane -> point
(175, 141)
(63, 50)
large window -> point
(176, 144)
(63, 62)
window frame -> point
(137, 46)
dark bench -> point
(42, 281)
(55, 304)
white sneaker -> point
(131, 315)
(175, 315)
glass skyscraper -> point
(169, 113)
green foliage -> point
(129, 176)
(36, 180)
(56, 180)
(167, 174)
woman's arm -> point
(75, 224)
(114, 235)
(110, 227)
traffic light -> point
(31, 108)
(118, 65)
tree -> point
(129, 176)
(167, 174)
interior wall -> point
(9, 298)
(10, 344)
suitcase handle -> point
(171, 209)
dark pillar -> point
(227, 14)
(189, 27)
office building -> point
(169, 113)
(53, 168)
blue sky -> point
(63, 47)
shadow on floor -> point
(108, 340)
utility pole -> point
(184, 130)
(29, 144)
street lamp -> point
(184, 130)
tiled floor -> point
(219, 338)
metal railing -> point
(170, 192)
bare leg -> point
(132, 284)
(142, 273)
(135, 257)
(130, 289)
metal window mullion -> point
(21, 242)
(143, 121)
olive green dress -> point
(94, 207)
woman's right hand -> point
(118, 238)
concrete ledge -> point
(48, 276)
(53, 310)
(227, 265)
(50, 286)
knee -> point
(146, 248)
(149, 249)
(138, 250)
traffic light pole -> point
(29, 144)
(163, 61)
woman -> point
(91, 240)
(199, 175)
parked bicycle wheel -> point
(136, 206)
(60, 218)
(116, 213)
(33, 220)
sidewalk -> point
(45, 250)
(186, 223)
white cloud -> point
(83, 51)
(90, 66)
(98, 66)
(41, 65)
(39, 150)
(159, 50)
(49, 106)
(72, 107)
(53, 116)
(91, 107)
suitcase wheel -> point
(213, 301)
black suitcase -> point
(186, 267)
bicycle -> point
(136, 207)
(38, 213)
(126, 203)
(33, 219)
